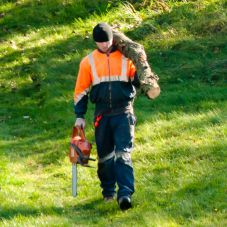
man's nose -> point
(104, 44)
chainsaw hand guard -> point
(80, 148)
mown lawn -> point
(180, 144)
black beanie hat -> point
(102, 32)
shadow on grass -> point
(51, 118)
(187, 184)
(200, 198)
(200, 54)
(31, 15)
(10, 213)
(45, 131)
(196, 199)
(96, 209)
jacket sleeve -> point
(82, 86)
(136, 81)
(133, 74)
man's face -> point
(104, 46)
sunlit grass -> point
(180, 143)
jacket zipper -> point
(110, 87)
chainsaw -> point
(79, 153)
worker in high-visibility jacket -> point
(109, 78)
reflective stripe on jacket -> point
(110, 78)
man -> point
(112, 78)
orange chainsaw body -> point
(80, 148)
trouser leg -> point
(106, 154)
(107, 178)
(123, 139)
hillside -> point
(180, 143)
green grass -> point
(180, 144)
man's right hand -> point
(80, 122)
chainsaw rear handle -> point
(78, 131)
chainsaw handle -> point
(78, 131)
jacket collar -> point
(113, 49)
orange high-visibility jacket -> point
(108, 77)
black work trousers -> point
(114, 139)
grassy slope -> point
(180, 151)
